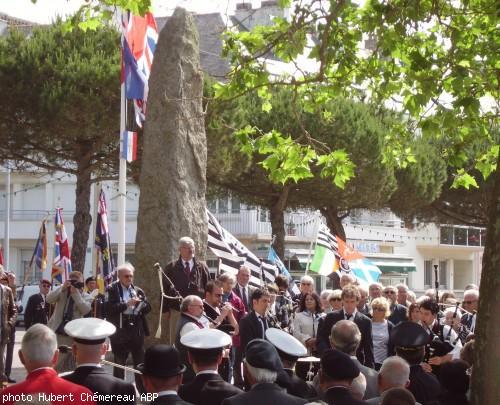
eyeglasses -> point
(335, 299)
(389, 292)
(469, 302)
(379, 309)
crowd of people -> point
(231, 343)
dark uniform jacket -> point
(169, 400)
(371, 377)
(365, 349)
(424, 386)
(398, 314)
(264, 394)
(194, 391)
(193, 285)
(98, 381)
(115, 306)
(250, 328)
(294, 385)
(340, 396)
(37, 311)
(248, 305)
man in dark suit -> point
(162, 374)
(126, 308)
(243, 289)
(409, 339)
(290, 349)
(189, 277)
(255, 324)
(261, 366)
(398, 311)
(205, 352)
(89, 345)
(346, 338)
(37, 309)
(336, 375)
(350, 299)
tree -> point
(62, 110)
(355, 129)
(437, 62)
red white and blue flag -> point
(139, 39)
(61, 265)
(129, 146)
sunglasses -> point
(379, 309)
(389, 292)
(335, 299)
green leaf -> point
(463, 179)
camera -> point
(77, 284)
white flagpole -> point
(122, 178)
(313, 241)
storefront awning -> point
(394, 266)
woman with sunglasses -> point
(335, 299)
(381, 331)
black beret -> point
(338, 365)
(409, 335)
(262, 354)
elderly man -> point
(191, 319)
(402, 297)
(350, 300)
(162, 374)
(375, 290)
(242, 289)
(126, 308)
(71, 302)
(189, 277)
(205, 353)
(39, 354)
(363, 305)
(261, 367)
(37, 309)
(398, 312)
(336, 375)
(394, 373)
(346, 337)
(89, 335)
(471, 299)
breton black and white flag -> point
(233, 254)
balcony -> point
(456, 235)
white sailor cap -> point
(89, 331)
(288, 346)
(206, 339)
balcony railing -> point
(461, 235)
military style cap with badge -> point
(288, 347)
(338, 365)
(409, 336)
(89, 331)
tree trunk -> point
(278, 222)
(173, 174)
(334, 221)
(82, 218)
(486, 372)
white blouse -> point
(305, 325)
(380, 336)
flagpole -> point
(122, 178)
(95, 258)
(313, 240)
(6, 235)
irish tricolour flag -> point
(324, 260)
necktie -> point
(244, 297)
(348, 316)
(187, 270)
(264, 326)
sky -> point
(44, 11)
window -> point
(428, 273)
(235, 205)
(473, 237)
(446, 235)
(442, 269)
(461, 236)
(263, 215)
(223, 205)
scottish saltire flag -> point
(139, 39)
(105, 267)
(61, 265)
(232, 254)
(129, 146)
(39, 256)
(324, 261)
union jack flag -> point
(139, 38)
(61, 265)
(103, 243)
